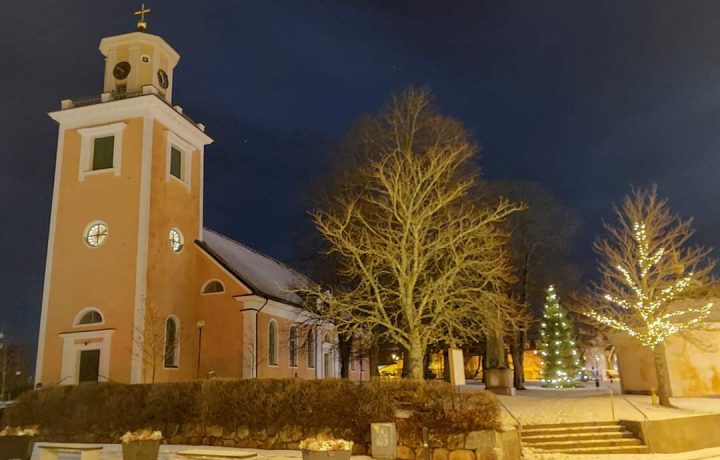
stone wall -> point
(476, 445)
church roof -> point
(262, 274)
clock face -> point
(121, 70)
(162, 78)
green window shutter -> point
(103, 153)
(175, 162)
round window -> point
(176, 240)
(95, 234)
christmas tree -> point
(560, 359)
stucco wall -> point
(102, 277)
(694, 368)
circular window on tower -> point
(175, 239)
(95, 234)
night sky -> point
(584, 97)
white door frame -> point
(74, 343)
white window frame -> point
(182, 240)
(186, 150)
(275, 355)
(202, 290)
(311, 349)
(87, 145)
(87, 230)
(78, 317)
(176, 361)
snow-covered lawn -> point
(542, 405)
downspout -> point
(257, 326)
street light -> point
(4, 365)
(200, 326)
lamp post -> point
(200, 326)
(4, 365)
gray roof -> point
(264, 275)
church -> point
(136, 289)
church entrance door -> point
(89, 366)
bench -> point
(87, 451)
(203, 454)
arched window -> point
(88, 316)
(293, 347)
(272, 343)
(311, 349)
(172, 345)
(212, 287)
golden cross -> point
(142, 24)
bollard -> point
(426, 444)
(654, 397)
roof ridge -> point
(279, 262)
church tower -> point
(127, 199)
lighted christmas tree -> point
(560, 358)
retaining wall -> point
(678, 434)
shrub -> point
(110, 409)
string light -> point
(649, 303)
(557, 341)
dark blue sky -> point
(584, 97)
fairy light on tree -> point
(560, 358)
(653, 286)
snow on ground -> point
(543, 405)
(168, 452)
(704, 454)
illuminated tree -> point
(653, 285)
(428, 263)
(560, 358)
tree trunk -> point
(407, 363)
(345, 356)
(415, 367)
(663, 377)
(427, 360)
(517, 349)
(374, 359)
(446, 364)
(483, 361)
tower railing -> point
(116, 95)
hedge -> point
(109, 409)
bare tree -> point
(540, 239)
(427, 263)
(653, 285)
(155, 348)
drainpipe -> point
(257, 326)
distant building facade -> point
(692, 357)
(136, 289)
